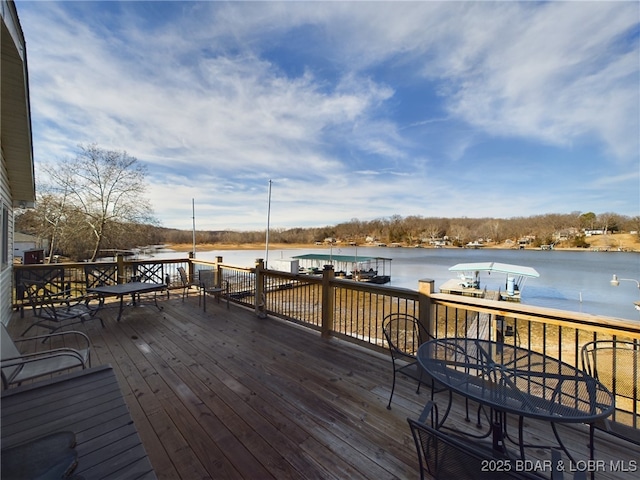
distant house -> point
(24, 244)
(526, 240)
(17, 181)
(566, 234)
(589, 233)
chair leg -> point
(419, 380)
(393, 387)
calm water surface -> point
(577, 281)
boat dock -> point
(454, 287)
(360, 268)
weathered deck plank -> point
(227, 395)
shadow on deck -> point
(227, 395)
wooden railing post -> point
(218, 279)
(427, 309)
(121, 278)
(261, 299)
(327, 301)
(192, 267)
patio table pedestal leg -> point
(498, 437)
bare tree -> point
(432, 230)
(53, 211)
(609, 222)
(459, 233)
(106, 186)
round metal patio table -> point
(514, 380)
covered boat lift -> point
(354, 267)
(516, 275)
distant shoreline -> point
(617, 242)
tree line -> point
(95, 203)
(413, 230)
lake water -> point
(569, 280)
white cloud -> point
(549, 74)
(219, 97)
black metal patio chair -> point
(54, 310)
(404, 334)
(616, 364)
(52, 456)
(209, 286)
(445, 456)
(186, 283)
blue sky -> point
(353, 109)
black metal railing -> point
(360, 308)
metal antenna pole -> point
(193, 217)
(266, 253)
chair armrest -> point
(58, 334)
(37, 356)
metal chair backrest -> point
(42, 300)
(404, 334)
(443, 457)
(615, 363)
(183, 276)
(207, 278)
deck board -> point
(224, 394)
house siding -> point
(6, 267)
(17, 178)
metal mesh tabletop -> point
(516, 380)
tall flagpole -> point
(193, 217)
(266, 253)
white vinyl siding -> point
(6, 241)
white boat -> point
(516, 275)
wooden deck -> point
(224, 394)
